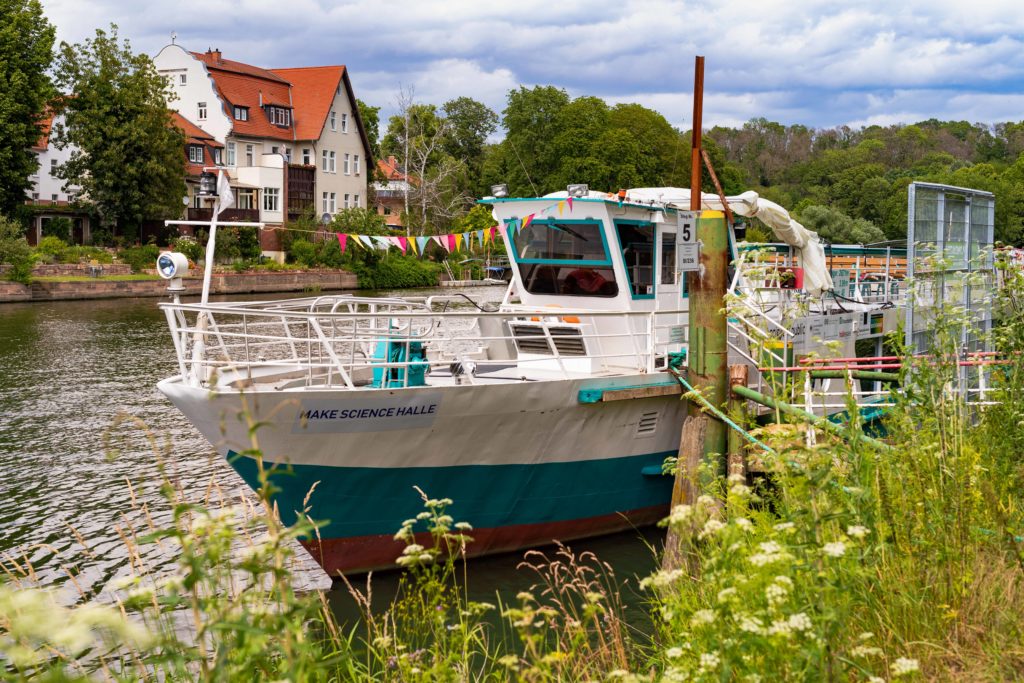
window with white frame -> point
(355, 164)
(279, 116)
(271, 195)
(333, 158)
(183, 79)
(334, 120)
(307, 156)
(323, 161)
(355, 201)
(241, 113)
(250, 154)
(346, 165)
(53, 197)
(201, 111)
(53, 167)
(197, 202)
(288, 155)
(344, 123)
(334, 203)
(246, 198)
(346, 200)
(324, 207)
(195, 154)
(216, 155)
(231, 154)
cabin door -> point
(671, 287)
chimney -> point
(215, 54)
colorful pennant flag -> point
(458, 242)
(342, 240)
(568, 200)
(527, 221)
(367, 242)
(421, 243)
(561, 207)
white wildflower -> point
(865, 651)
(445, 520)
(661, 579)
(424, 515)
(674, 652)
(680, 514)
(876, 679)
(784, 526)
(711, 527)
(776, 594)
(780, 627)
(726, 594)
(903, 666)
(800, 622)
(737, 478)
(834, 549)
(740, 490)
(709, 661)
(744, 523)
(706, 500)
(784, 581)
(857, 531)
(752, 625)
(770, 547)
(413, 549)
(464, 526)
(702, 616)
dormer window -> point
(279, 116)
(195, 154)
(241, 113)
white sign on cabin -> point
(687, 249)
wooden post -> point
(686, 488)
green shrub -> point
(303, 252)
(140, 258)
(397, 272)
(79, 254)
(190, 247)
(15, 251)
(51, 246)
(58, 226)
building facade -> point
(292, 139)
(390, 192)
(48, 197)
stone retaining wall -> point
(220, 283)
(73, 269)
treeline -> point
(849, 184)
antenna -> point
(174, 37)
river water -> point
(77, 382)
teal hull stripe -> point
(361, 501)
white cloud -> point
(813, 62)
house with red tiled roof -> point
(391, 191)
(49, 198)
(292, 138)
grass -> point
(844, 563)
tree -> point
(470, 124)
(371, 124)
(26, 51)
(836, 227)
(15, 251)
(128, 157)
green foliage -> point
(190, 247)
(127, 154)
(397, 272)
(15, 251)
(26, 45)
(359, 221)
(59, 227)
(371, 124)
(51, 248)
(836, 227)
(478, 218)
(140, 258)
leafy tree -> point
(371, 123)
(470, 124)
(128, 156)
(26, 51)
(531, 122)
(836, 227)
(15, 250)
(359, 221)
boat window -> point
(636, 240)
(561, 241)
(566, 258)
(668, 259)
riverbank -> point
(70, 287)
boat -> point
(547, 416)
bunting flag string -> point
(418, 244)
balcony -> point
(248, 215)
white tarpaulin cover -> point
(817, 279)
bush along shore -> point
(846, 561)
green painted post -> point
(708, 353)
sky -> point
(809, 62)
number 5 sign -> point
(687, 249)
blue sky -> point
(809, 62)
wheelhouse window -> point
(565, 257)
(636, 240)
(668, 259)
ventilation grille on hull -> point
(648, 423)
